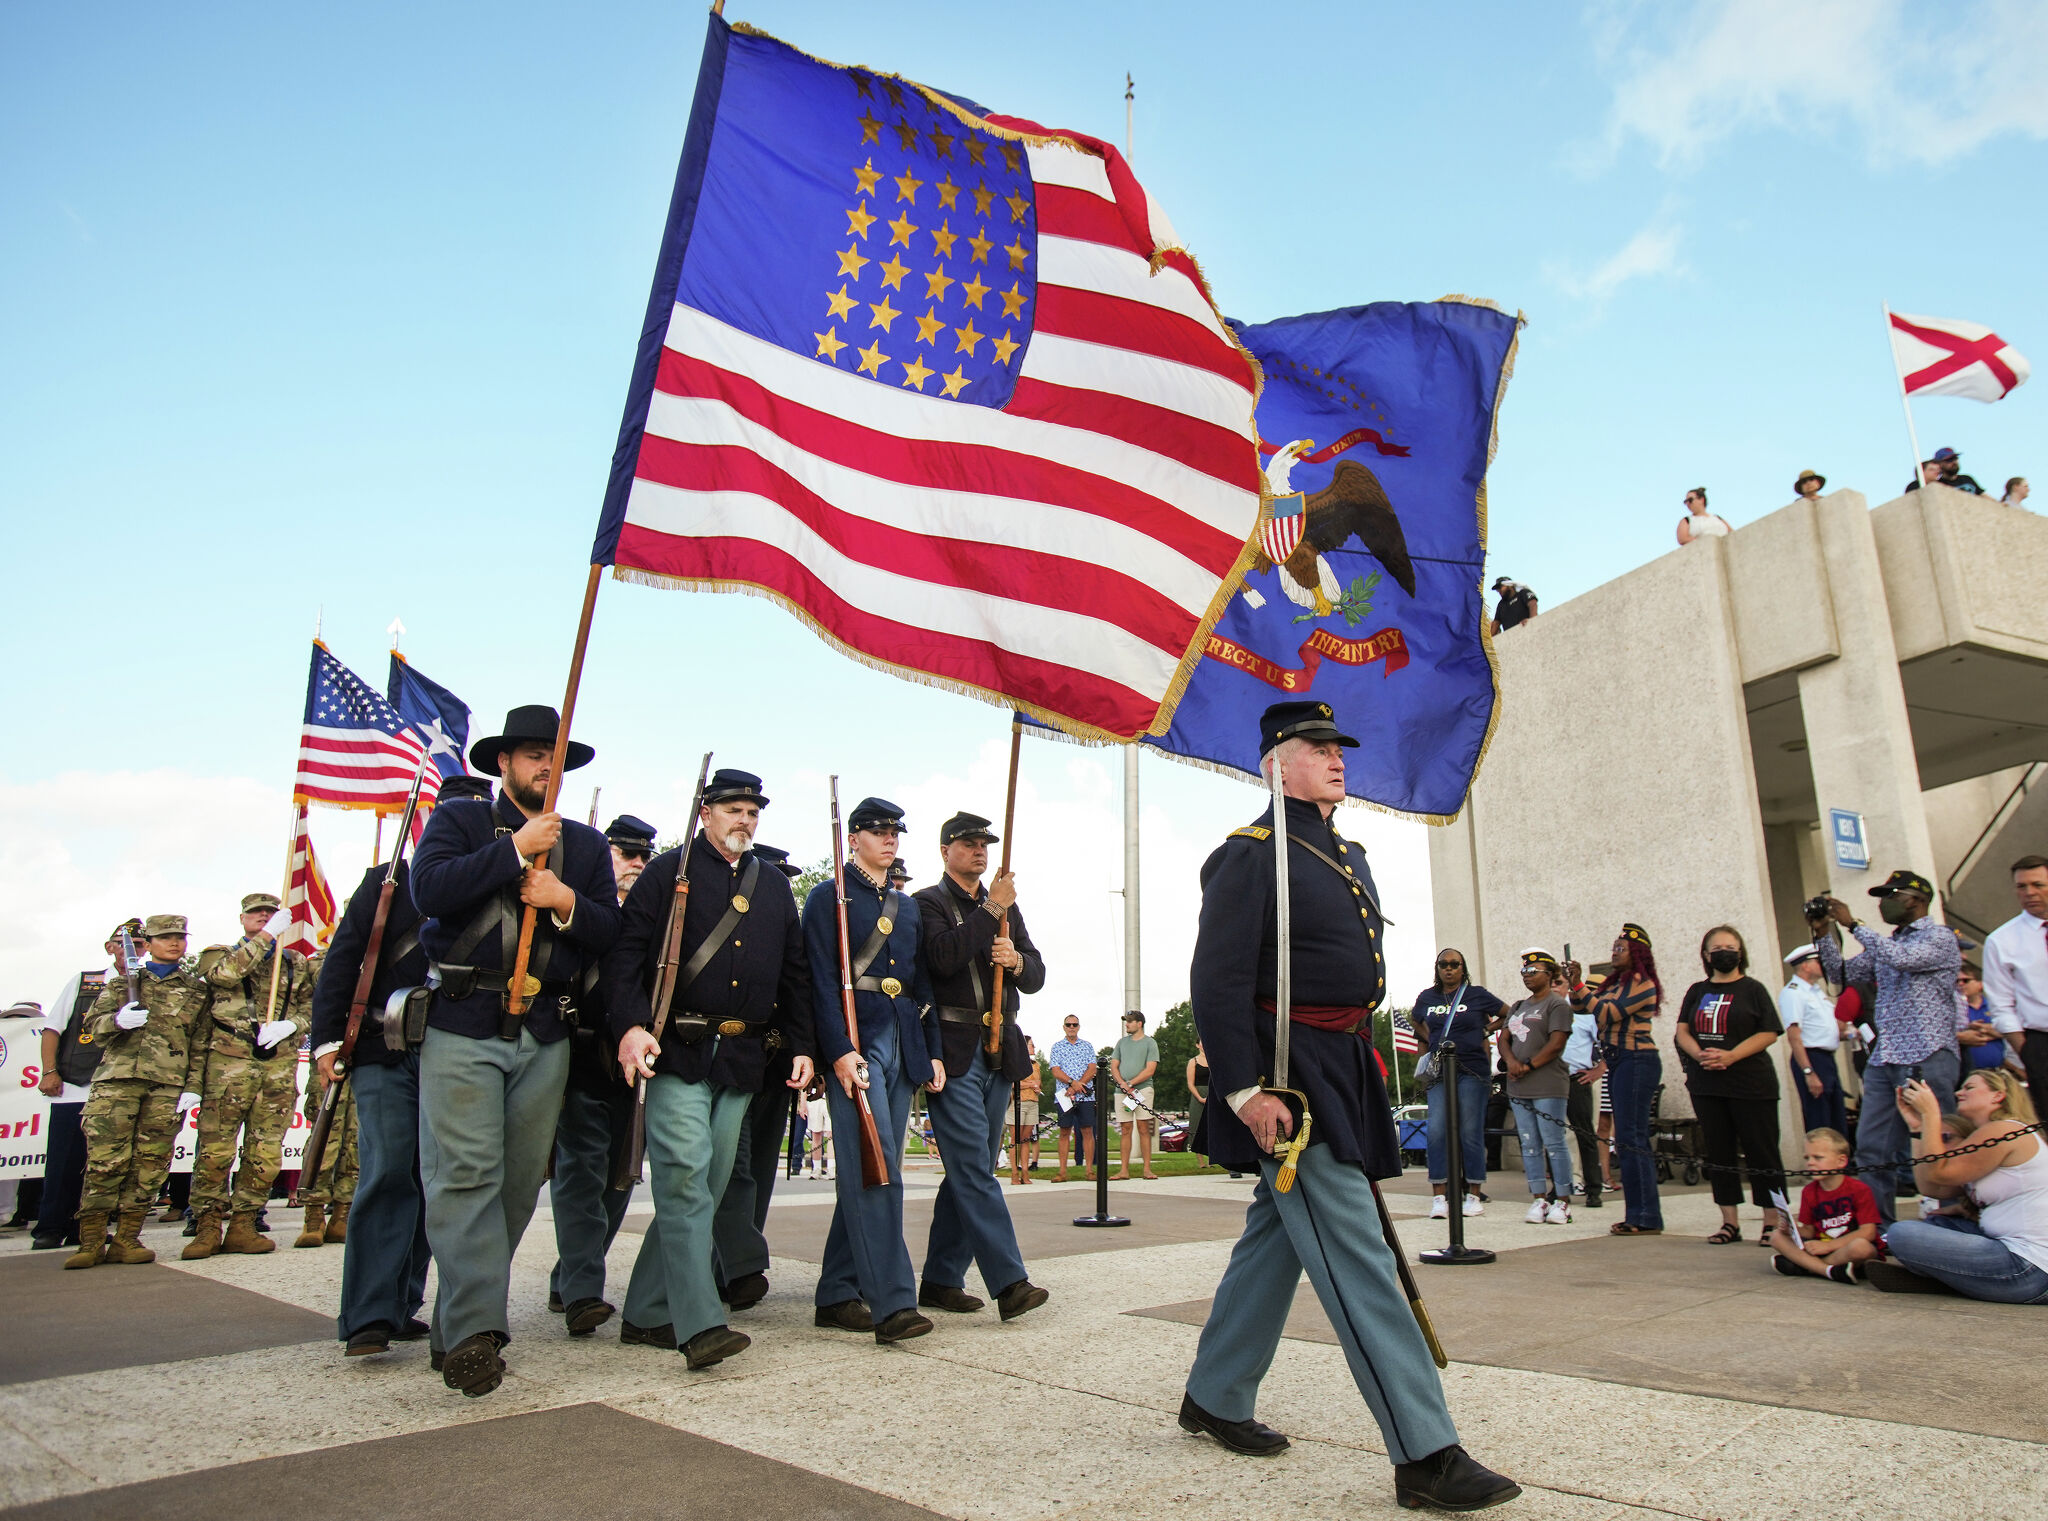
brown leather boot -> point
(126, 1248)
(205, 1236)
(337, 1224)
(92, 1239)
(243, 1236)
(316, 1224)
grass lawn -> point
(1168, 1164)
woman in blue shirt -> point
(1455, 1003)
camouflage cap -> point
(258, 901)
(163, 924)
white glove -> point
(268, 1035)
(131, 1016)
(187, 1101)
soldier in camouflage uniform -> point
(145, 1082)
(328, 1196)
(252, 1081)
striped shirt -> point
(1624, 1013)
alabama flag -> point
(1944, 356)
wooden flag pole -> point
(995, 1007)
(284, 903)
(1891, 343)
(515, 989)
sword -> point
(1290, 1150)
(1408, 1284)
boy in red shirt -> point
(1838, 1218)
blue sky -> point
(311, 310)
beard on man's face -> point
(736, 841)
(527, 793)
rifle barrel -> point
(874, 1169)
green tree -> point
(818, 871)
(1176, 1037)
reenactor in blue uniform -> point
(491, 1082)
(742, 992)
(963, 938)
(740, 1229)
(866, 1282)
(596, 1124)
(1328, 1221)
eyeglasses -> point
(633, 852)
(1073, 1024)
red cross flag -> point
(1942, 356)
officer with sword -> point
(1285, 1015)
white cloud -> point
(1652, 251)
(1917, 84)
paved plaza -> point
(1612, 1378)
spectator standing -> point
(2016, 973)
(1698, 523)
(817, 1133)
(1915, 1015)
(1587, 1076)
(2002, 1255)
(1459, 1006)
(1814, 1039)
(1930, 475)
(1024, 1133)
(1809, 485)
(2016, 491)
(70, 1058)
(1725, 1025)
(1532, 1040)
(1838, 1218)
(1625, 1005)
(1979, 1038)
(1133, 1066)
(1074, 1060)
(1198, 1089)
(1517, 604)
(1952, 476)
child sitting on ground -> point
(1838, 1218)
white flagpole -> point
(1912, 434)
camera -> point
(1815, 908)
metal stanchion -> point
(1102, 1216)
(1457, 1254)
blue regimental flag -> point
(436, 714)
(1377, 423)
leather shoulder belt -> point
(700, 958)
(892, 906)
(1350, 877)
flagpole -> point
(377, 845)
(1133, 957)
(291, 851)
(1891, 342)
(515, 992)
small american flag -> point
(1037, 490)
(354, 749)
(1406, 1040)
(309, 902)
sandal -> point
(1727, 1235)
(1635, 1230)
(1765, 1239)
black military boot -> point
(1451, 1479)
(1252, 1438)
(473, 1365)
(938, 1296)
(714, 1346)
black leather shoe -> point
(1451, 1479)
(586, 1315)
(1021, 1296)
(555, 1305)
(847, 1315)
(715, 1346)
(45, 1243)
(746, 1291)
(901, 1326)
(937, 1296)
(414, 1329)
(436, 1360)
(473, 1365)
(647, 1336)
(370, 1340)
(1252, 1438)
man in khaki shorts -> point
(1024, 1132)
(1132, 1066)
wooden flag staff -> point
(995, 1007)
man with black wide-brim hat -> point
(742, 992)
(491, 1082)
(1327, 1219)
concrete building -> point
(1672, 743)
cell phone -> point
(1913, 1073)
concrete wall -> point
(1962, 569)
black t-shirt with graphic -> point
(1722, 1015)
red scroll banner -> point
(1387, 645)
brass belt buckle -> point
(986, 1018)
(530, 987)
(891, 986)
(732, 1027)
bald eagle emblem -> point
(1307, 526)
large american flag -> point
(354, 749)
(308, 902)
(1038, 489)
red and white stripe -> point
(1946, 356)
(1405, 1038)
(1058, 554)
(309, 902)
(362, 768)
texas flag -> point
(1944, 356)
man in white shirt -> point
(2016, 973)
(1813, 1038)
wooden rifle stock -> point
(359, 1004)
(634, 1158)
(995, 1003)
(874, 1168)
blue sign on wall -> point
(1846, 829)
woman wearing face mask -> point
(1624, 1006)
(1725, 1025)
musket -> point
(874, 1170)
(595, 793)
(634, 1157)
(995, 1007)
(130, 966)
(359, 1003)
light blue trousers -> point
(693, 1130)
(1328, 1224)
(970, 1220)
(487, 1121)
(865, 1257)
(741, 1224)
